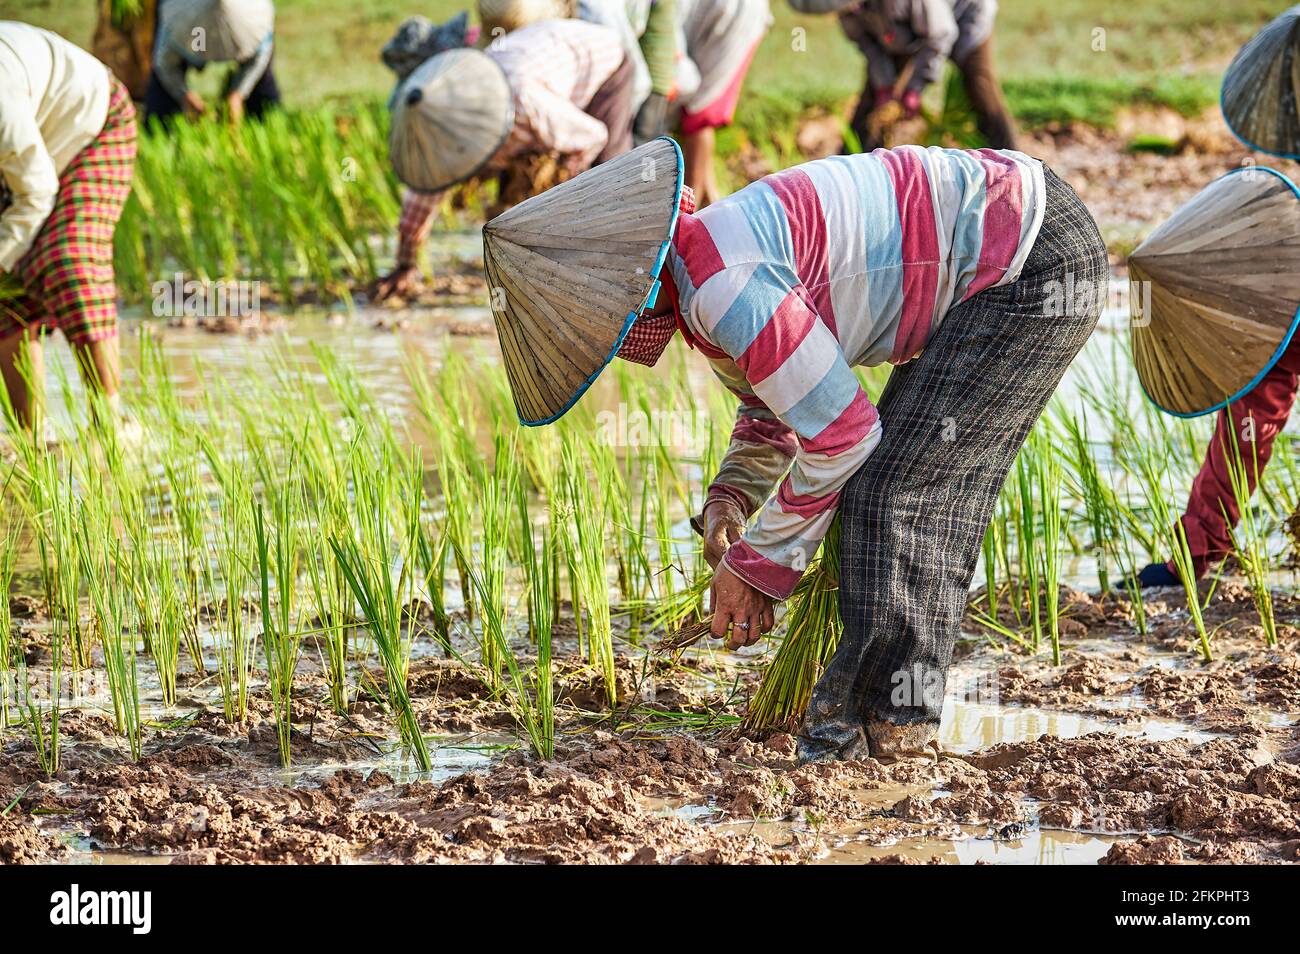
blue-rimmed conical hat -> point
(569, 270)
(1214, 292)
(1260, 98)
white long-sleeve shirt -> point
(53, 103)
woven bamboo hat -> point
(231, 29)
(1214, 292)
(450, 116)
(499, 17)
(570, 270)
(1260, 98)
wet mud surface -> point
(1131, 752)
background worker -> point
(67, 151)
(717, 41)
(906, 43)
(571, 86)
(649, 31)
(1247, 427)
(942, 262)
(194, 34)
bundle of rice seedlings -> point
(813, 628)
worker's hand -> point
(724, 524)
(400, 282)
(911, 100)
(194, 104)
(738, 605)
(651, 118)
(235, 103)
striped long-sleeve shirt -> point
(789, 283)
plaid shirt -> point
(554, 68)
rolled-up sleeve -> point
(936, 32)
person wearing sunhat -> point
(945, 263)
(648, 30)
(195, 34)
(1215, 292)
(717, 41)
(67, 150)
(540, 103)
(906, 43)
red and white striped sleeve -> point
(794, 369)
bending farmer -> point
(67, 150)
(942, 262)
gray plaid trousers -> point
(915, 514)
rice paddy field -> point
(326, 602)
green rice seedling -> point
(1175, 534)
(333, 601)
(1049, 500)
(1029, 543)
(235, 641)
(587, 563)
(529, 696)
(189, 511)
(1248, 537)
(147, 575)
(8, 556)
(432, 557)
(489, 582)
(446, 410)
(108, 600)
(277, 559)
(42, 721)
(683, 608)
(1098, 497)
(64, 525)
(1130, 571)
(813, 629)
(365, 558)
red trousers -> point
(1260, 416)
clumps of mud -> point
(626, 787)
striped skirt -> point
(66, 278)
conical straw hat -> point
(231, 29)
(1214, 291)
(570, 270)
(1260, 98)
(449, 117)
